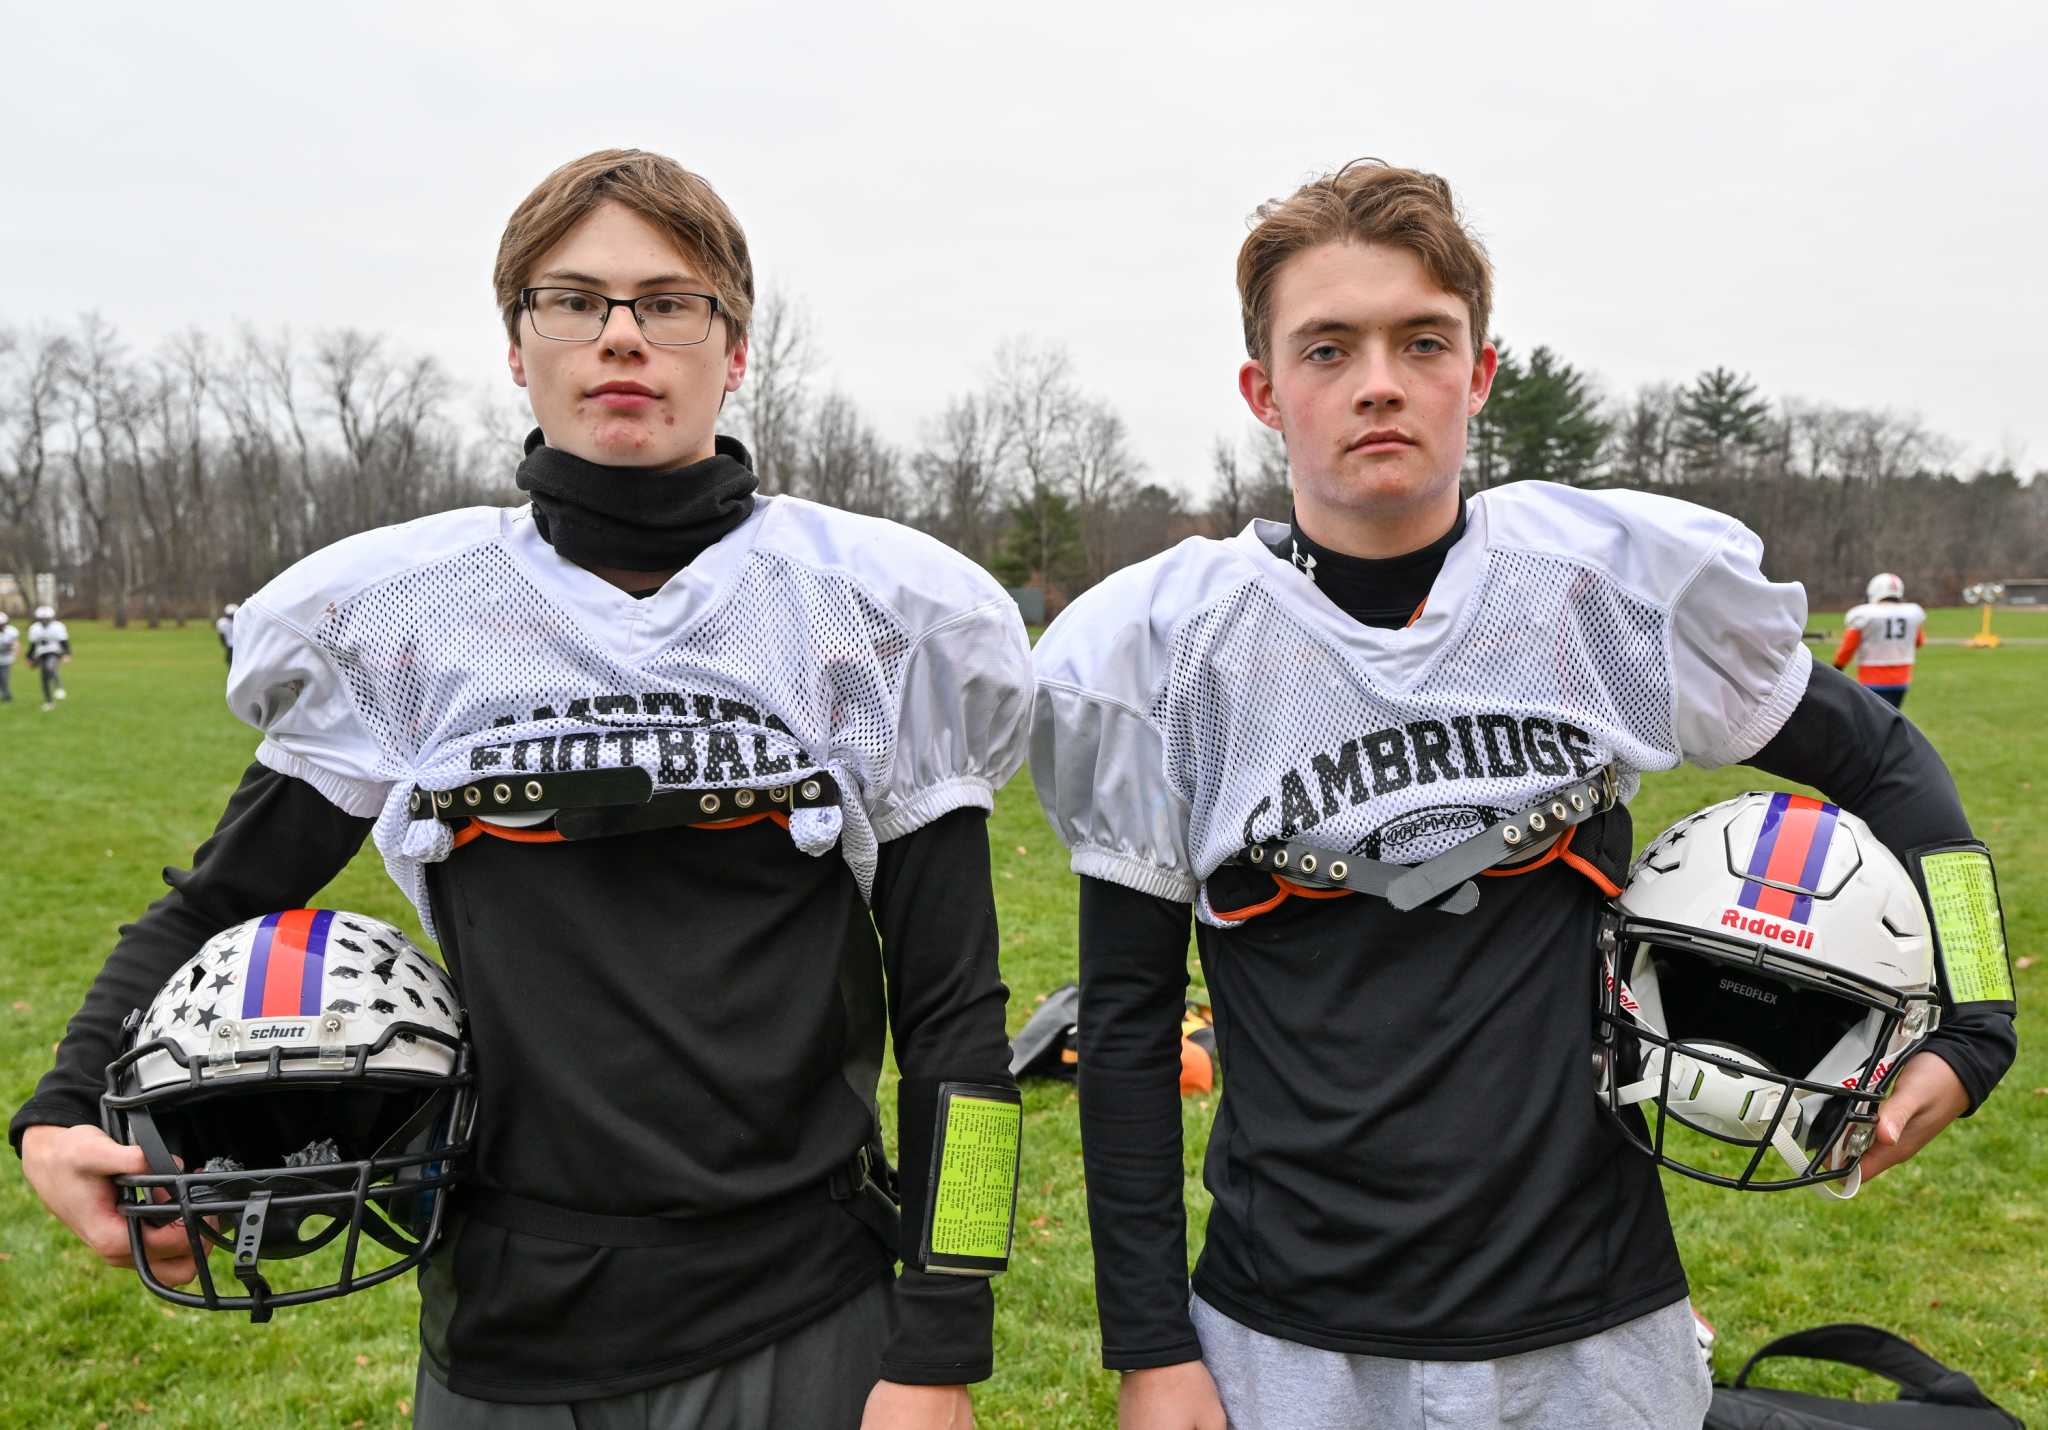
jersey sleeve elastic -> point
(287, 681)
(288, 686)
(1097, 758)
(1739, 661)
(961, 719)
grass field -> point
(129, 774)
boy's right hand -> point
(71, 1169)
(1170, 1397)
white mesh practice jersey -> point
(462, 645)
(1888, 631)
(10, 642)
(47, 638)
(1212, 696)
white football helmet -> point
(1885, 587)
(304, 1075)
(1775, 971)
(46, 613)
(229, 609)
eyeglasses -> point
(574, 315)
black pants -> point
(1893, 695)
(52, 682)
(6, 682)
(817, 1377)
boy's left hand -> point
(1927, 1098)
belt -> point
(591, 803)
(1444, 883)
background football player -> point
(10, 646)
(1419, 1215)
(224, 627)
(49, 647)
(1883, 635)
(655, 759)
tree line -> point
(159, 484)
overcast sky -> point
(1846, 201)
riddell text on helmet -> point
(1788, 934)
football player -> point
(1884, 634)
(224, 627)
(1321, 738)
(691, 787)
(10, 646)
(49, 646)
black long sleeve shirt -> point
(1407, 1160)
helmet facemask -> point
(1786, 1064)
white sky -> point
(1847, 201)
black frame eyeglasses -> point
(632, 305)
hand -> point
(71, 1169)
(1926, 1099)
(917, 1407)
(1170, 1397)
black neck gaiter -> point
(636, 518)
(1384, 591)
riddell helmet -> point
(1885, 587)
(46, 613)
(1776, 970)
(304, 1076)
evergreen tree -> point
(1721, 423)
(1541, 423)
(1042, 542)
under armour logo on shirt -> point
(1304, 561)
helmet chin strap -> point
(1708, 1094)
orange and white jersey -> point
(1882, 635)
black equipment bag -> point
(1931, 1396)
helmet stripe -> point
(259, 966)
(314, 974)
(286, 964)
(1791, 848)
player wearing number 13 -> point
(1883, 635)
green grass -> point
(130, 773)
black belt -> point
(1444, 883)
(592, 803)
(853, 1183)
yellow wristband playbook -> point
(971, 1197)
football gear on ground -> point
(1774, 973)
(303, 1077)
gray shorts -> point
(817, 1377)
(1644, 1374)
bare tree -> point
(1102, 470)
(772, 406)
(960, 467)
(1251, 479)
(34, 365)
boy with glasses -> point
(657, 761)
(1420, 1216)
